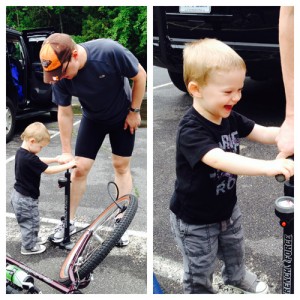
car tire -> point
(53, 115)
(10, 119)
(177, 79)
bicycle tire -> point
(84, 270)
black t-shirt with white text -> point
(204, 195)
(28, 170)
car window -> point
(15, 51)
(34, 47)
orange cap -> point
(56, 50)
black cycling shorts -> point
(91, 135)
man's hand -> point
(65, 158)
(133, 121)
(285, 139)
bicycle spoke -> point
(100, 238)
(100, 235)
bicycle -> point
(98, 239)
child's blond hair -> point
(202, 57)
(36, 130)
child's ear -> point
(194, 89)
(31, 140)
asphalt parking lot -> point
(124, 271)
(264, 103)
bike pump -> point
(66, 183)
(284, 210)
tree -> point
(125, 24)
(62, 19)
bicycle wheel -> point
(103, 234)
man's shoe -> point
(59, 231)
(35, 250)
(124, 240)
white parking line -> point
(173, 270)
(162, 85)
(135, 233)
(168, 268)
(10, 159)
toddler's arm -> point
(263, 134)
(50, 160)
(240, 165)
(60, 168)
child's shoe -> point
(41, 240)
(35, 250)
(258, 287)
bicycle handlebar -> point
(280, 178)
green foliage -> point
(125, 24)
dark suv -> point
(26, 93)
(252, 31)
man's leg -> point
(122, 171)
(78, 186)
(123, 180)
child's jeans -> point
(27, 214)
(200, 246)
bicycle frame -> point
(51, 282)
(70, 280)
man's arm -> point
(65, 123)
(285, 139)
(138, 88)
(133, 119)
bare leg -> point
(123, 177)
(78, 186)
(123, 180)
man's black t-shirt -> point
(28, 170)
(204, 195)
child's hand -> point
(58, 158)
(280, 166)
(71, 164)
